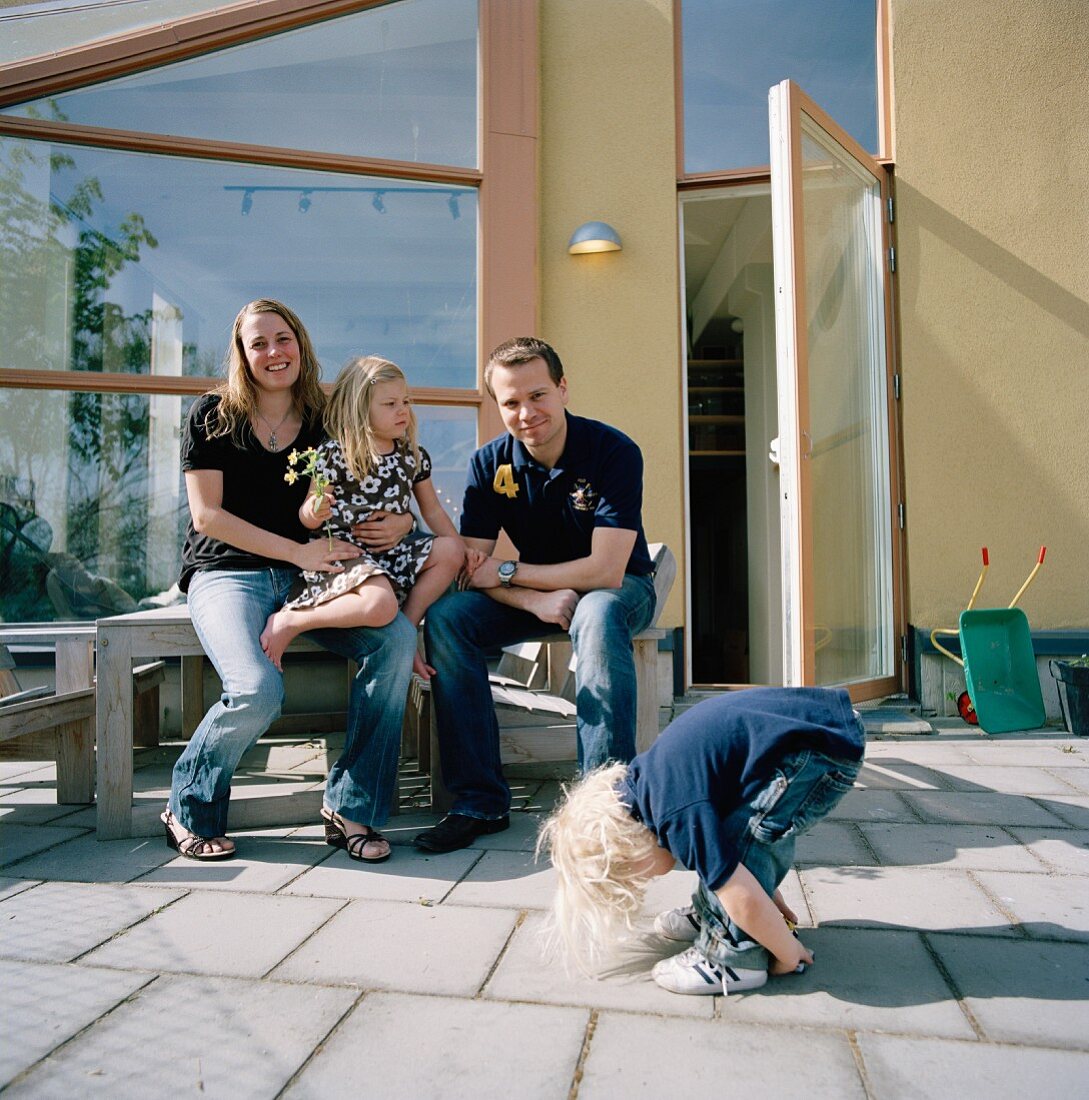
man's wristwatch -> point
(506, 572)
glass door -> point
(838, 472)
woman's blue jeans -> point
(229, 610)
(806, 787)
(461, 628)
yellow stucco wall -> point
(992, 169)
(607, 153)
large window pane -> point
(132, 262)
(735, 50)
(93, 510)
(30, 30)
(92, 504)
(848, 417)
(397, 81)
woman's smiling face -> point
(272, 351)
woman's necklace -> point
(273, 442)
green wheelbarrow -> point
(999, 664)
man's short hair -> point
(523, 349)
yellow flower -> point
(293, 457)
(291, 476)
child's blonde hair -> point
(348, 412)
(602, 857)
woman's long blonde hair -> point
(348, 413)
(601, 855)
(238, 394)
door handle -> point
(773, 452)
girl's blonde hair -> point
(348, 413)
(602, 857)
(238, 394)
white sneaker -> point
(681, 924)
(691, 972)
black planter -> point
(1073, 695)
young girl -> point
(725, 791)
(374, 463)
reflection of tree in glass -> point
(46, 276)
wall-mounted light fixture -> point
(594, 237)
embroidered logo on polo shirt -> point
(504, 482)
(583, 496)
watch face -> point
(506, 570)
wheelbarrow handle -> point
(982, 574)
(940, 648)
(1031, 577)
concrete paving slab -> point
(526, 974)
(1006, 779)
(237, 935)
(873, 806)
(12, 770)
(1077, 778)
(59, 921)
(902, 1069)
(1031, 992)
(1073, 810)
(19, 841)
(632, 1056)
(520, 837)
(408, 876)
(669, 892)
(930, 754)
(33, 1024)
(962, 846)
(1049, 906)
(476, 1049)
(268, 1030)
(894, 774)
(1046, 754)
(834, 844)
(863, 980)
(979, 808)
(9, 887)
(441, 949)
(86, 859)
(507, 879)
(902, 897)
(1060, 849)
(263, 865)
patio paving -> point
(946, 900)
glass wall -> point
(735, 50)
(135, 263)
(121, 271)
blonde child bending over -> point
(371, 462)
(724, 791)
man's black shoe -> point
(458, 831)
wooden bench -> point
(58, 724)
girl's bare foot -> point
(421, 667)
(192, 846)
(362, 843)
(277, 636)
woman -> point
(243, 550)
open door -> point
(839, 477)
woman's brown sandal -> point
(355, 844)
(189, 844)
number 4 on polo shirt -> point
(504, 481)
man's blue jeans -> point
(229, 610)
(460, 629)
(806, 787)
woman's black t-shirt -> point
(254, 490)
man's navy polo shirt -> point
(551, 515)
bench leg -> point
(646, 686)
(114, 726)
(75, 740)
(145, 732)
(440, 796)
(192, 694)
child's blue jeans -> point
(806, 786)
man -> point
(568, 493)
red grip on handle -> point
(986, 557)
(1043, 551)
